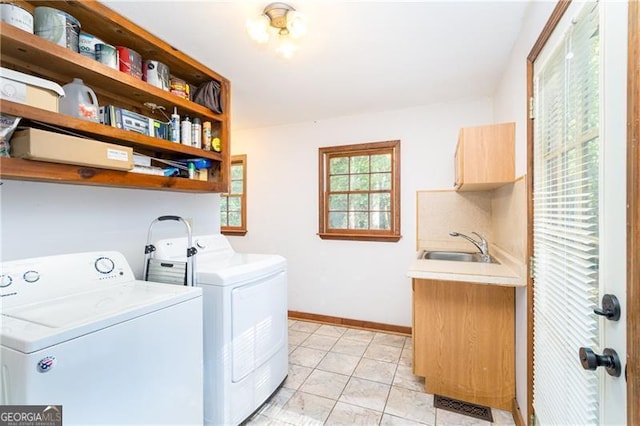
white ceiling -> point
(358, 57)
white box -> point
(27, 89)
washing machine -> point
(79, 331)
(245, 324)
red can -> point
(130, 61)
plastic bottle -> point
(174, 135)
(206, 135)
(79, 101)
(185, 131)
(196, 133)
(192, 171)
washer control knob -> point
(104, 265)
(200, 244)
(5, 280)
(31, 276)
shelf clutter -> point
(126, 103)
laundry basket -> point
(169, 271)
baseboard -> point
(517, 414)
(368, 325)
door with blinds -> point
(579, 223)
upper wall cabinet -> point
(485, 157)
(27, 53)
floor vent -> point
(461, 407)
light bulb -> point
(257, 28)
(296, 24)
(286, 47)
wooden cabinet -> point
(485, 157)
(28, 53)
(463, 341)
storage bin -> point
(27, 89)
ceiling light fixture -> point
(284, 21)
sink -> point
(456, 256)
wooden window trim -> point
(238, 230)
(392, 235)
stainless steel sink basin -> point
(456, 256)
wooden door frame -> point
(633, 206)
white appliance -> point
(79, 331)
(245, 324)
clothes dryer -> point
(245, 324)
(79, 331)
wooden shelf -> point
(30, 54)
(40, 171)
(33, 54)
(105, 133)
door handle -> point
(609, 360)
(610, 308)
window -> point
(233, 206)
(359, 189)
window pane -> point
(236, 187)
(380, 220)
(235, 204)
(380, 181)
(360, 164)
(358, 220)
(235, 219)
(338, 202)
(358, 202)
(381, 202)
(223, 203)
(223, 219)
(338, 220)
(381, 163)
(339, 166)
(359, 183)
(339, 183)
(236, 172)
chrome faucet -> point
(482, 245)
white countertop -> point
(509, 272)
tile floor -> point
(347, 376)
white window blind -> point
(565, 223)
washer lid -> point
(233, 268)
(29, 328)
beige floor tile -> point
(383, 353)
(406, 357)
(359, 335)
(408, 343)
(350, 347)
(389, 339)
(412, 405)
(324, 383)
(501, 417)
(306, 409)
(290, 322)
(339, 363)
(405, 378)
(274, 405)
(365, 393)
(297, 375)
(347, 414)
(306, 357)
(317, 341)
(389, 420)
(377, 371)
(307, 327)
(449, 418)
(292, 347)
(257, 420)
(297, 337)
(331, 330)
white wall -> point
(41, 219)
(357, 280)
(510, 104)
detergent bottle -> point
(79, 101)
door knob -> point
(609, 360)
(610, 308)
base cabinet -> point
(463, 341)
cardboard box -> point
(36, 144)
(27, 89)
